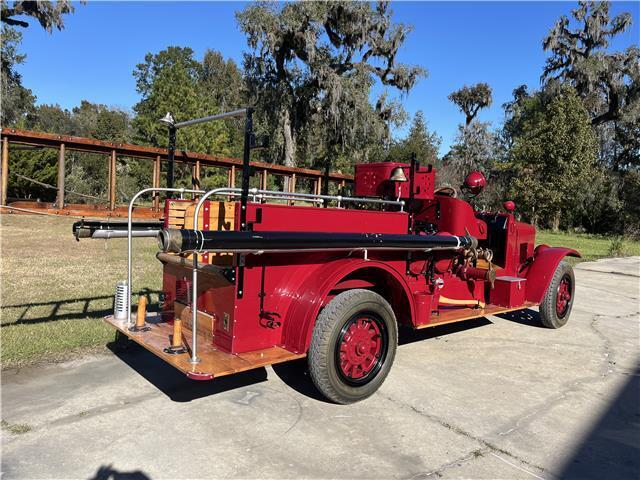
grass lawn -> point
(54, 290)
(591, 247)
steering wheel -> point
(447, 191)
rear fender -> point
(539, 274)
(311, 294)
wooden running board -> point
(213, 362)
(458, 314)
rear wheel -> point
(558, 299)
(353, 346)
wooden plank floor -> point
(213, 362)
(458, 314)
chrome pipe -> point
(235, 113)
(130, 235)
(122, 234)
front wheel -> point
(353, 346)
(558, 299)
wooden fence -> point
(112, 151)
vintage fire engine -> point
(248, 283)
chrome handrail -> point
(130, 236)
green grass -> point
(15, 428)
(591, 247)
(55, 291)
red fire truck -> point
(250, 280)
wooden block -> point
(206, 322)
(179, 205)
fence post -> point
(231, 183)
(5, 171)
(157, 166)
(61, 159)
(195, 180)
(292, 186)
(112, 181)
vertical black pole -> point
(325, 185)
(244, 195)
(246, 167)
(171, 156)
(412, 174)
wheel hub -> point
(563, 296)
(360, 346)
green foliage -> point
(608, 82)
(554, 155)
(222, 80)
(474, 149)
(420, 140)
(310, 71)
(17, 101)
(49, 14)
(470, 100)
(85, 173)
(174, 81)
(617, 247)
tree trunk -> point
(289, 140)
(555, 222)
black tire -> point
(554, 312)
(352, 315)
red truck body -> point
(259, 309)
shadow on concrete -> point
(612, 448)
(408, 335)
(173, 383)
(68, 309)
(296, 375)
(107, 472)
(526, 316)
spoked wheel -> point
(353, 346)
(558, 299)
(564, 296)
(362, 348)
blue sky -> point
(457, 42)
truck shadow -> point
(173, 383)
(294, 374)
(107, 472)
(526, 316)
(407, 335)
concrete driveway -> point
(489, 398)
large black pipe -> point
(176, 241)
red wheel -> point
(362, 348)
(558, 299)
(353, 346)
(564, 296)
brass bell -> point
(397, 175)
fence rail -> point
(113, 150)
